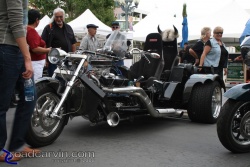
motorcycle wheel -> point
(45, 130)
(233, 126)
(205, 103)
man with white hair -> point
(58, 34)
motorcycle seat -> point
(153, 68)
(170, 56)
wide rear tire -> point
(205, 102)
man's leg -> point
(9, 73)
(23, 115)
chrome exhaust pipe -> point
(113, 119)
(136, 91)
(171, 112)
(142, 95)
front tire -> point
(205, 102)
(233, 126)
(45, 130)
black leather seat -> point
(170, 56)
(150, 71)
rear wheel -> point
(205, 102)
(233, 126)
(44, 130)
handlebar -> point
(153, 55)
(143, 54)
(100, 54)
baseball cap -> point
(115, 23)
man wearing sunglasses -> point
(115, 26)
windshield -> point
(117, 42)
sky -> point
(193, 6)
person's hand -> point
(47, 64)
(197, 61)
(225, 71)
(200, 68)
(48, 49)
(239, 58)
(29, 69)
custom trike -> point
(98, 90)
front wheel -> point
(233, 126)
(44, 130)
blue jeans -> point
(11, 69)
(51, 69)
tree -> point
(102, 9)
(44, 7)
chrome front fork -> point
(54, 114)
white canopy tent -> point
(43, 22)
(79, 24)
(150, 23)
(231, 17)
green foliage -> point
(44, 6)
(237, 48)
(102, 9)
(184, 11)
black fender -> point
(52, 82)
(240, 92)
(202, 79)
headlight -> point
(55, 55)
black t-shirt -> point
(244, 51)
(186, 57)
(181, 53)
(59, 40)
(198, 48)
(223, 55)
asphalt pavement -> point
(145, 142)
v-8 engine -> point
(108, 75)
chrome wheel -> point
(42, 125)
(240, 125)
(216, 102)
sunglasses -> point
(59, 17)
(219, 33)
(115, 27)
